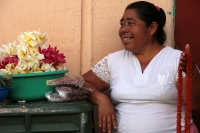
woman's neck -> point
(148, 54)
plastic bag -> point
(72, 91)
(69, 88)
(57, 97)
(54, 97)
(76, 81)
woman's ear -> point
(153, 28)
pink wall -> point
(61, 20)
(84, 30)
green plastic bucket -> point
(33, 86)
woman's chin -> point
(127, 47)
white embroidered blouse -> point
(144, 102)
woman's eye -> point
(121, 24)
(130, 23)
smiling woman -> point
(142, 78)
(138, 24)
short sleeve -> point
(101, 70)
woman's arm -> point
(106, 118)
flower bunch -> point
(30, 55)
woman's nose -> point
(125, 28)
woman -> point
(142, 78)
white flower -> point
(43, 46)
(19, 70)
(32, 39)
(60, 67)
(41, 38)
(34, 53)
(9, 69)
(29, 66)
(47, 67)
(22, 52)
(4, 51)
(33, 65)
(12, 48)
(8, 50)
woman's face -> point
(133, 32)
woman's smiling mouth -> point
(126, 38)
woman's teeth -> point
(127, 38)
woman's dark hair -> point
(149, 13)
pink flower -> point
(1, 66)
(8, 60)
(52, 55)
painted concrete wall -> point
(84, 30)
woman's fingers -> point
(100, 121)
(114, 122)
(107, 122)
(104, 124)
(182, 62)
(183, 58)
(106, 112)
(187, 47)
(109, 125)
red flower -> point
(52, 55)
(8, 60)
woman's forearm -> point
(95, 96)
(97, 85)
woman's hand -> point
(195, 79)
(106, 119)
(183, 58)
(106, 113)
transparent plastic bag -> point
(56, 97)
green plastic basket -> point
(33, 86)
